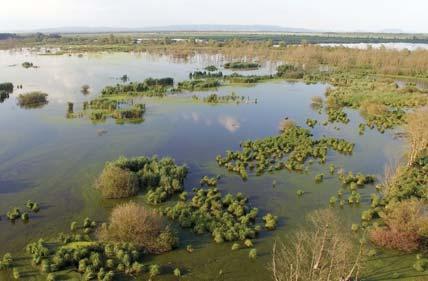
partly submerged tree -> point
(322, 252)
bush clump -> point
(241, 65)
(126, 177)
(227, 218)
(406, 226)
(115, 182)
(269, 154)
(32, 100)
(132, 223)
(149, 87)
(6, 87)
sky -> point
(326, 15)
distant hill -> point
(202, 27)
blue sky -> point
(334, 15)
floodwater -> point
(53, 160)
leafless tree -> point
(322, 252)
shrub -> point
(154, 270)
(227, 218)
(162, 178)
(7, 87)
(32, 100)
(270, 221)
(27, 64)
(85, 89)
(252, 254)
(115, 182)
(406, 226)
(132, 223)
(177, 272)
(241, 65)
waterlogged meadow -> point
(248, 162)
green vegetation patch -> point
(227, 218)
(241, 65)
(6, 87)
(32, 100)
(198, 84)
(218, 99)
(270, 153)
(126, 177)
(99, 109)
(149, 87)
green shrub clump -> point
(241, 65)
(198, 84)
(227, 218)
(269, 154)
(289, 71)
(126, 177)
(149, 87)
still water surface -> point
(53, 160)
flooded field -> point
(55, 161)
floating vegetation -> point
(361, 129)
(124, 78)
(32, 206)
(252, 254)
(6, 262)
(300, 192)
(227, 218)
(235, 246)
(246, 79)
(27, 64)
(32, 100)
(3, 96)
(123, 178)
(241, 65)
(6, 87)
(211, 68)
(337, 115)
(270, 221)
(311, 122)
(269, 154)
(177, 272)
(205, 75)
(216, 99)
(207, 181)
(319, 178)
(85, 89)
(289, 71)
(198, 84)
(101, 108)
(358, 179)
(149, 87)
(16, 213)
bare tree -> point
(320, 253)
